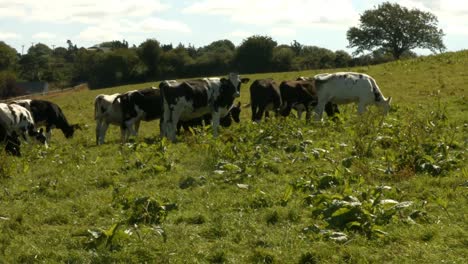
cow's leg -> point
(308, 114)
(215, 122)
(98, 131)
(319, 110)
(254, 112)
(48, 133)
(267, 114)
(286, 110)
(103, 131)
(169, 128)
(361, 108)
(261, 110)
(137, 126)
(129, 125)
(299, 114)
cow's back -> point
(265, 91)
(106, 107)
(345, 87)
(149, 100)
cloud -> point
(123, 29)
(100, 33)
(291, 13)
(283, 31)
(44, 35)
(9, 35)
(157, 24)
(82, 11)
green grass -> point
(393, 189)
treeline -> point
(115, 63)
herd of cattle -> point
(184, 104)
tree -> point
(8, 56)
(115, 44)
(283, 58)
(397, 30)
(150, 53)
(35, 64)
(342, 59)
(255, 54)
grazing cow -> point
(233, 114)
(16, 121)
(264, 97)
(140, 105)
(347, 87)
(302, 96)
(195, 98)
(48, 114)
(107, 110)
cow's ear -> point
(245, 80)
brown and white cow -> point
(302, 96)
(348, 87)
(264, 97)
(195, 98)
(15, 122)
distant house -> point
(99, 49)
(26, 88)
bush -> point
(7, 84)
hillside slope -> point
(365, 189)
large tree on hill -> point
(396, 29)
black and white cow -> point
(195, 98)
(302, 96)
(264, 97)
(48, 114)
(107, 110)
(226, 121)
(144, 104)
(348, 87)
(15, 122)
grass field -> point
(365, 189)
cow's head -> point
(70, 130)
(235, 112)
(385, 105)
(233, 84)
(37, 134)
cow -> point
(264, 97)
(195, 98)
(302, 96)
(107, 110)
(348, 87)
(233, 114)
(144, 104)
(50, 115)
(15, 122)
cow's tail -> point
(97, 104)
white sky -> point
(310, 22)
